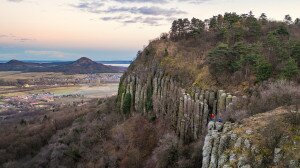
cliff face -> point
(252, 143)
(160, 96)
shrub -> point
(295, 52)
(218, 58)
(127, 103)
(273, 95)
(149, 103)
(167, 152)
(74, 154)
(273, 133)
(290, 70)
(293, 118)
(263, 69)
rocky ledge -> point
(230, 145)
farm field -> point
(40, 91)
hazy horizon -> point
(107, 29)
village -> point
(50, 92)
(33, 102)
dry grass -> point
(273, 129)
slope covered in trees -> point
(226, 51)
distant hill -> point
(83, 65)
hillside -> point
(233, 51)
(229, 66)
(81, 66)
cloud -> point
(155, 11)
(143, 1)
(152, 21)
(194, 1)
(15, 38)
(117, 18)
(56, 54)
(126, 19)
(14, 0)
(135, 11)
(160, 1)
(92, 7)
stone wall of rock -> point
(225, 146)
(159, 95)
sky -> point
(107, 29)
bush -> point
(127, 103)
(273, 95)
(218, 58)
(149, 103)
(293, 118)
(74, 154)
(295, 52)
(167, 152)
(273, 133)
(290, 70)
(263, 69)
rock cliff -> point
(189, 111)
(246, 145)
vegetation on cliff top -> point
(238, 51)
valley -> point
(39, 91)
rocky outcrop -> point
(188, 111)
(224, 148)
(244, 145)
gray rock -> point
(214, 152)
(222, 103)
(224, 142)
(219, 126)
(208, 142)
(223, 160)
(233, 137)
(238, 142)
(228, 100)
(227, 127)
(246, 166)
(227, 166)
(249, 132)
(243, 160)
(211, 125)
(211, 99)
(254, 150)
(234, 100)
(232, 158)
(247, 144)
(294, 164)
(278, 154)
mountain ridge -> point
(81, 66)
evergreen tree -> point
(290, 69)
(263, 18)
(288, 19)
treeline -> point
(245, 46)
